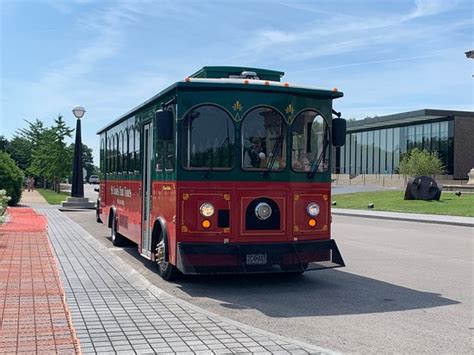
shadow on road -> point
(321, 293)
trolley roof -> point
(207, 78)
(226, 72)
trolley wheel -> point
(166, 270)
(117, 239)
(97, 215)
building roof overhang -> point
(405, 118)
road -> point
(407, 288)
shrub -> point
(11, 178)
(3, 203)
(421, 162)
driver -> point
(254, 155)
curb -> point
(394, 217)
(71, 209)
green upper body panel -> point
(238, 100)
(237, 97)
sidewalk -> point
(34, 316)
(408, 217)
(31, 198)
(115, 309)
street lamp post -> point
(77, 189)
(77, 199)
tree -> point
(33, 132)
(421, 162)
(3, 143)
(62, 162)
(25, 143)
(87, 159)
(11, 178)
(20, 150)
(50, 157)
(40, 156)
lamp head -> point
(78, 111)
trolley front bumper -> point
(203, 258)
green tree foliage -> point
(25, 142)
(33, 132)
(62, 162)
(87, 159)
(43, 153)
(11, 178)
(20, 150)
(39, 156)
(50, 156)
(3, 143)
(421, 162)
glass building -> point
(376, 145)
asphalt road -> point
(407, 288)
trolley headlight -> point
(263, 211)
(206, 209)
(312, 209)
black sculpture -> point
(422, 188)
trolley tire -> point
(97, 215)
(117, 239)
(166, 270)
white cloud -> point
(430, 7)
(340, 33)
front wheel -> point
(97, 214)
(117, 239)
(166, 270)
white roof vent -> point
(245, 75)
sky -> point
(109, 56)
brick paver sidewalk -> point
(34, 317)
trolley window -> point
(263, 140)
(208, 139)
(310, 143)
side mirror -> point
(338, 132)
(164, 122)
(96, 189)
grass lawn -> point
(449, 203)
(52, 197)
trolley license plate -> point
(256, 259)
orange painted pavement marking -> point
(34, 316)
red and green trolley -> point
(227, 171)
